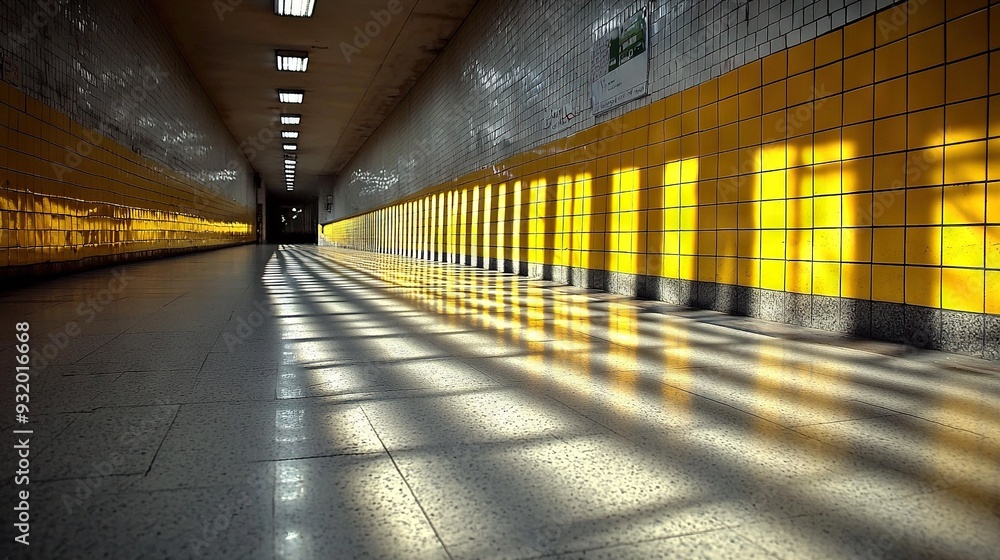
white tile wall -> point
(486, 96)
(111, 66)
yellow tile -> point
(750, 132)
(772, 274)
(774, 67)
(799, 244)
(926, 89)
(926, 49)
(857, 209)
(708, 116)
(772, 214)
(925, 14)
(923, 286)
(890, 60)
(964, 246)
(829, 113)
(799, 120)
(962, 290)
(890, 135)
(773, 244)
(798, 276)
(859, 105)
(856, 245)
(725, 271)
(966, 79)
(801, 58)
(967, 36)
(827, 146)
(890, 25)
(773, 126)
(965, 163)
(993, 291)
(826, 279)
(859, 70)
(829, 80)
(925, 167)
(993, 247)
(708, 92)
(923, 206)
(672, 106)
(749, 272)
(995, 24)
(993, 203)
(923, 245)
(965, 121)
(855, 281)
(829, 47)
(826, 211)
(800, 88)
(729, 84)
(965, 204)
(750, 104)
(859, 36)
(889, 208)
(856, 175)
(826, 244)
(729, 110)
(773, 97)
(890, 97)
(858, 141)
(726, 216)
(800, 181)
(689, 99)
(749, 76)
(925, 128)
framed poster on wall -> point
(620, 64)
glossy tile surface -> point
(312, 402)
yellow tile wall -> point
(862, 164)
(68, 193)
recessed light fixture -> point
(290, 147)
(290, 119)
(291, 95)
(296, 8)
(289, 134)
(292, 61)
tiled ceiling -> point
(230, 44)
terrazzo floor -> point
(300, 402)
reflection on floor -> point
(310, 402)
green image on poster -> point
(630, 43)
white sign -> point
(620, 64)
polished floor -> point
(310, 402)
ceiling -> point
(231, 52)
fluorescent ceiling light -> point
(290, 147)
(292, 61)
(291, 119)
(291, 161)
(291, 95)
(289, 134)
(296, 8)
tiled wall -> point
(109, 148)
(489, 94)
(845, 183)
